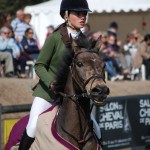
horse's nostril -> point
(97, 90)
(101, 90)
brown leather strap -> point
(81, 42)
(64, 33)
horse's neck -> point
(73, 117)
(74, 105)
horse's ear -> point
(97, 45)
(74, 45)
(82, 42)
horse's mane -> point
(63, 69)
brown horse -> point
(80, 84)
(85, 82)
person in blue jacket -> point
(29, 44)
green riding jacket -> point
(47, 64)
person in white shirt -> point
(19, 25)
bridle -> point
(82, 85)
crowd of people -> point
(18, 44)
(123, 59)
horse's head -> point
(88, 73)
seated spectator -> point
(19, 25)
(138, 37)
(27, 19)
(8, 64)
(20, 62)
(113, 29)
(113, 53)
(29, 44)
(29, 51)
(130, 50)
(143, 57)
(8, 44)
(112, 75)
(104, 52)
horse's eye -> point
(79, 64)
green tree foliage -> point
(13, 5)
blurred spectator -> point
(20, 62)
(113, 32)
(113, 49)
(27, 19)
(143, 56)
(19, 25)
(29, 44)
(114, 55)
(108, 50)
(103, 51)
(8, 44)
(113, 29)
(130, 50)
(103, 39)
(8, 64)
(12, 35)
(138, 37)
(50, 30)
(29, 51)
(112, 36)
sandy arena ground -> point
(18, 91)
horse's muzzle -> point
(99, 94)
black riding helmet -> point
(74, 5)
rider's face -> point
(77, 19)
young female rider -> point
(74, 12)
